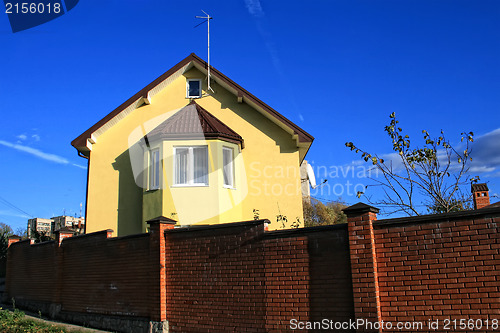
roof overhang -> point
(83, 143)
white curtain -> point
(181, 165)
(227, 160)
(154, 176)
(200, 165)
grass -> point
(16, 322)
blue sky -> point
(336, 68)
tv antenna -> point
(207, 19)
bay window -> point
(191, 166)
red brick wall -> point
(89, 274)
(36, 278)
(237, 277)
(215, 279)
(286, 282)
(108, 276)
(439, 269)
(330, 283)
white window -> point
(228, 166)
(154, 169)
(193, 88)
(191, 165)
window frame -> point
(154, 183)
(232, 168)
(190, 167)
(187, 88)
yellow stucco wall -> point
(266, 170)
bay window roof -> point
(193, 122)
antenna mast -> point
(207, 19)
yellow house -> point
(197, 150)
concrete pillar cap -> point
(359, 209)
(161, 219)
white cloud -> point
(35, 137)
(486, 152)
(36, 152)
(40, 154)
(254, 8)
(79, 166)
(22, 137)
(481, 169)
(9, 213)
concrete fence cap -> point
(360, 208)
(161, 219)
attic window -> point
(193, 88)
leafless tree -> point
(437, 172)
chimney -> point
(481, 195)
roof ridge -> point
(200, 109)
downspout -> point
(87, 188)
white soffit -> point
(255, 106)
(137, 103)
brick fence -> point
(238, 277)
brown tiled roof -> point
(80, 142)
(193, 122)
(479, 187)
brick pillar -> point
(158, 291)
(13, 239)
(360, 218)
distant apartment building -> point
(76, 223)
(45, 226)
(49, 226)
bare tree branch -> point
(438, 171)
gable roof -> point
(193, 122)
(494, 205)
(83, 143)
